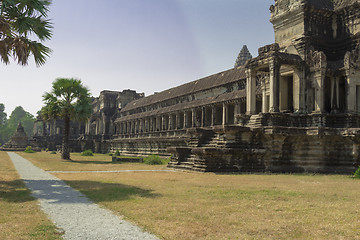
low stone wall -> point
(128, 159)
(270, 149)
(145, 146)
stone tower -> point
(18, 142)
(243, 56)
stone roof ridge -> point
(109, 92)
(243, 56)
(215, 80)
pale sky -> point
(143, 45)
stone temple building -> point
(18, 142)
(90, 135)
(293, 108)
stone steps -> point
(255, 121)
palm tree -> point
(68, 100)
(19, 21)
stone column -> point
(185, 119)
(250, 91)
(193, 118)
(319, 78)
(333, 95)
(162, 125)
(265, 103)
(177, 120)
(213, 115)
(274, 69)
(299, 90)
(350, 93)
(170, 122)
(224, 115)
(202, 116)
(237, 108)
(151, 125)
(146, 128)
(337, 84)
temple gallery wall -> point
(295, 107)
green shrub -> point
(88, 152)
(117, 153)
(29, 150)
(110, 154)
(153, 160)
(357, 173)
(53, 152)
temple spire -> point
(243, 56)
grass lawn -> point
(185, 205)
(20, 216)
(98, 162)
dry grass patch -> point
(20, 216)
(98, 162)
(208, 206)
(182, 205)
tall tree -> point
(69, 100)
(3, 121)
(3, 115)
(19, 21)
(26, 119)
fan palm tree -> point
(19, 21)
(69, 100)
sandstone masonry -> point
(293, 108)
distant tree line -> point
(8, 125)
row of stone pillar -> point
(271, 101)
(197, 117)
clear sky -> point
(144, 45)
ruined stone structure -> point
(293, 108)
(18, 142)
(90, 135)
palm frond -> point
(40, 52)
(5, 49)
(20, 19)
(34, 7)
(21, 51)
(68, 97)
(4, 26)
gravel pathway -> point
(70, 210)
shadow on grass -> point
(103, 192)
(14, 191)
(57, 191)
